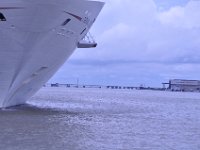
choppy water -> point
(99, 119)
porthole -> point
(2, 17)
(66, 22)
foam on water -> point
(83, 107)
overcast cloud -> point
(140, 42)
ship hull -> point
(36, 38)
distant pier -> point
(101, 86)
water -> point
(100, 119)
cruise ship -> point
(36, 38)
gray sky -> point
(139, 42)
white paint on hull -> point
(34, 43)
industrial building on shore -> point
(183, 85)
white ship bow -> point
(36, 38)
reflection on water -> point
(95, 119)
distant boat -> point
(36, 38)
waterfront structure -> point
(36, 38)
(184, 85)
